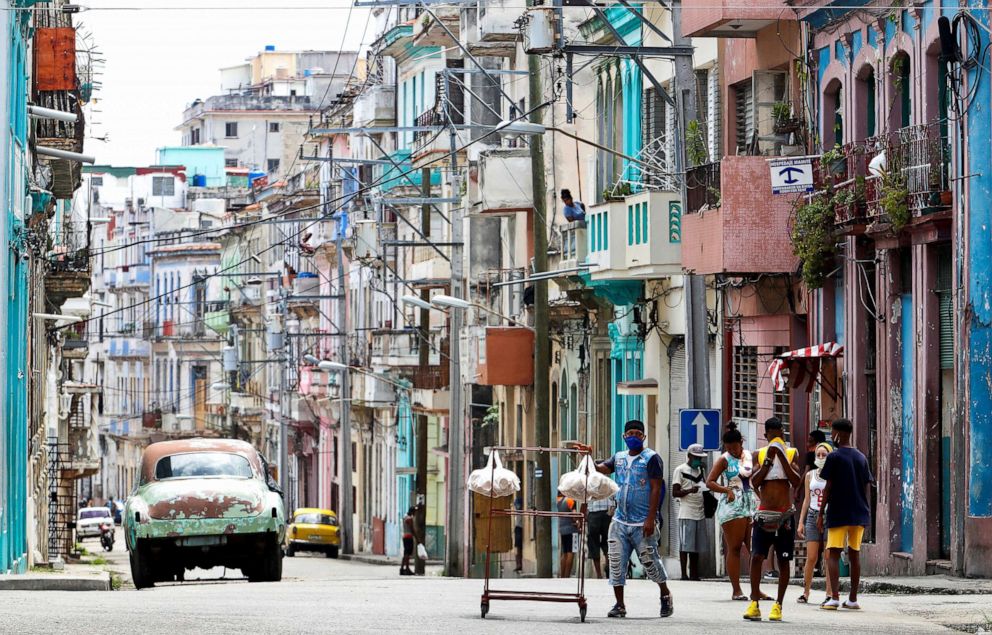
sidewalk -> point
(83, 576)
(920, 585)
(368, 558)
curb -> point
(378, 560)
(52, 582)
(897, 588)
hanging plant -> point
(814, 240)
(894, 200)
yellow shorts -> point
(851, 533)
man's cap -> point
(696, 450)
(633, 424)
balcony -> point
(56, 86)
(376, 106)
(131, 277)
(495, 32)
(729, 18)
(646, 241)
(747, 231)
(505, 185)
(572, 247)
(442, 31)
(128, 348)
(305, 296)
(431, 378)
(401, 348)
(396, 42)
(218, 321)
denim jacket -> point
(634, 497)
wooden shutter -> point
(744, 115)
(945, 299)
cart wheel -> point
(485, 609)
(582, 613)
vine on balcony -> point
(894, 200)
(814, 239)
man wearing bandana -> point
(639, 473)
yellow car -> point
(313, 530)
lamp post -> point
(449, 302)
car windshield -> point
(96, 512)
(201, 464)
(310, 518)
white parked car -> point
(89, 520)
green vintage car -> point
(204, 503)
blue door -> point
(908, 424)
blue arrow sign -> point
(699, 426)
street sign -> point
(791, 175)
(699, 426)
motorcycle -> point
(107, 536)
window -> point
(199, 464)
(194, 136)
(230, 163)
(96, 181)
(745, 377)
(231, 129)
(273, 165)
(654, 120)
(273, 126)
(744, 115)
(163, 186)
(782, 404)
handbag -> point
(709, 504)
(770, 520)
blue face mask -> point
(633, 443)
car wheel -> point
(290, 551)
(332, 552)
(141, 573)
(270, 567)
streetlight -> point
(328, 366)
(413, 300)
(451, 302)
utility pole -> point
(344, 420)
(542, 350)
(455, 548)
(283, 432)
(696, 331)
(423, 361)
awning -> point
(803, 365)
(646, 386)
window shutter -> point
(945, 299)
(744, 115)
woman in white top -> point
(729, 480)
(807, 529)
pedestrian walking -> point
(598, 528)
(518, 534)
(846, 512)
(566, 533)
(774, 526)
(687, 487)
(731, 479)
(408, 535)
(808, 528)
(640, 473)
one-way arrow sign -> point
(699, 426)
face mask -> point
(695, 462)
(633, 443)
(819, 461)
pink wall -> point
(702, 15)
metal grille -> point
(62, 500)
(745, 404)
(782, 403)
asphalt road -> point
(320, 595)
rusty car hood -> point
(189, 498)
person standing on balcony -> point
(574, 211)
(640, 474)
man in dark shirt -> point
(847, 512)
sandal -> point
(739, 598)
(802, 599)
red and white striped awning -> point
(803, 365)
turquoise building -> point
(14, 290)
(204, 164)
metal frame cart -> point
(489, 594)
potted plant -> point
(784, 122)
(894, 200)
(695, 144)
(834, 161)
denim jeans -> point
(623, 540)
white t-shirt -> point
(690, 506)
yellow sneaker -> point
(753, 612)
(776, 613)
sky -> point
(156, 62)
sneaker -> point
(667, 606)
(854, 606)
(830, 605)
(772, 575)
(775, 615)
(753, 612)
(617, 611)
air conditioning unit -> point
(539, 30)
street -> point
(318, 594)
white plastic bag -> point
(586, 484)
(422, 551)
(493, 479)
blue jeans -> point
(623, 540)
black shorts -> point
(567, 544)
(407, 545)
(518, 537)
(599, 531)
(784, 540)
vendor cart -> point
(489, 594)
